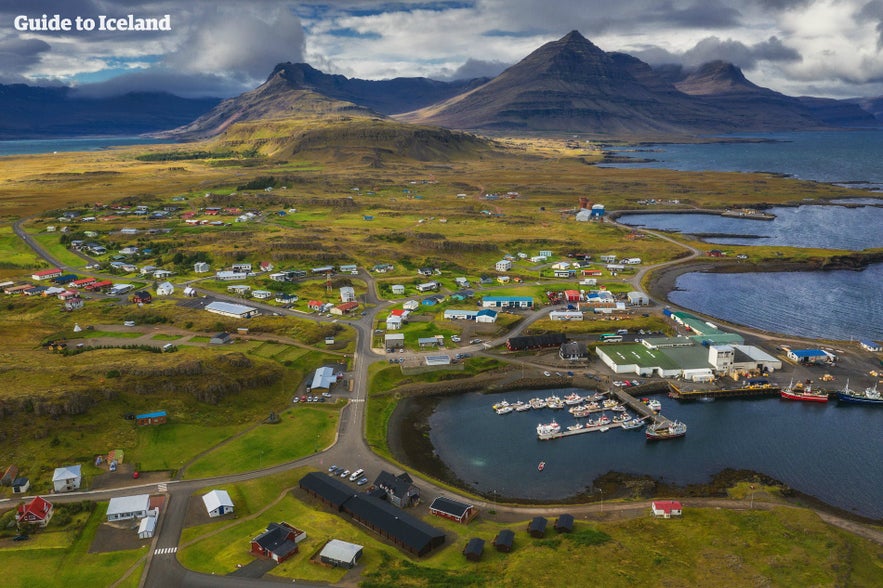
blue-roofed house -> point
(157, 417)
(871, 345)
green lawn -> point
(302, 431)
(14, 253)
(33, 563)
(169, 446)
(51, 242)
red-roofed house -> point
(666, 508)
(398, 312)
(266, 266)
(46, 274)
(572, 295)
(345, 308)
(36, 512)
(315, 305)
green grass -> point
(116, 334)
(302, 431)
(14, 253)
(33, 564)
(51, 242)
(169, 446)
(163, 337)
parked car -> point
(326, 394)
(25, 537)
(474, 341)
(344, 473)
(455, 338)
(362, 481)
(333, 469)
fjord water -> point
(829, 451)
(33, 146)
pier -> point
(745, 391)
(566, 433)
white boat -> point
(654, 405)
(505, 410)
(499, 405)
(524, 406)
(537, 403)
(549, 430)
(633, 424)
(575, 427)
(621, 417)
(572, 399)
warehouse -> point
(232, 310)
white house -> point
(228, 276)
(165, 289)
(411, 305)
(504, 265)
(67, 479)
(638, 298)
(666, 508)
(147, 526)
(398, 289)
(262, 294)
(217, 503)
(201, 267)
(241, 267)
(123, 508)
(347, 294)
(393, 322)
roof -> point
(148, 525)
(666, 505)
(397, 312)
(215, 499)
(449, 506)
(537, 524)
(398, 485)
(330, 489)
(151, 415)
(486, 312)
(508, 298)
(275, 539)
(228, 307)
(47, 272)
(505, 537)
(38, 507)
(338, 550)
(323, 378)
(67, 472)
(348, 306)
(474, 546)
(127, 504)
(808, 353)
(565, 521)
(395, 523)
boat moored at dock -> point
(804, 393)
(662, 431)
(869, 396)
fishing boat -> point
(573, 399)
(537, 403)
(554, 403)
(654, 405)
(660, 432)
(499, 405)
(580, 412)
(621, 417)
(803, 393)
(633, 424)
(505, 409)
(575, 427)
(869, 396)
(523, 407)
(549, 430)
(541, 466)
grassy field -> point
(303, 430)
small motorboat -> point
(541, 466)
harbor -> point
(748, 391)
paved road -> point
(350, 449)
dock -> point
(566, 433)
(743, 392)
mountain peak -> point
(716, 77)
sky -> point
(221, 48)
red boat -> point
(541, 466)
(803, 393)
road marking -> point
(357, 400)
(162, 487)
(165, 550)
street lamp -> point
(601, 490)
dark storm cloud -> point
(19, 54)
(476, 68)
(188, 86)
(715, 49)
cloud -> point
(16, 55)
(738, 53)
(473, 68)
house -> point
(239, 289)
(162, 274)
(278, 542)
(474, 548)
(537, 527)
(217, 503)
(347, 294)
(427, 286)
(284, 298)
(221, 339)
(666, 508)
(452, 509)
(262, 294)
(503, 279)
(344, 308)
(165, 289)
(573, 351)
(608, 259)
(341, 554)
(124, 508)
(410, 305)
(142, 297)
(393, 322)
(9, 475)
(400, 490)
(504, 540)
(67, 479)
(36, 512)
(869, 345)
(201, 267)
(394, 340)
(265, 266)
(425, 271)
(504, 265)
(315, 305)
(638, 298)
(547, 253)
(20, 485)
(228, 276)
(350, 268)
(157, 417)
(572, 295)
(810, 356)
(232, 310)
(241, 267)
(147, 526)
(455, 314)
(429, 341)
(323, 378)
(46, 274)
(73, 303)
(398, 289)
(564, 523)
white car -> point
(455, 338)
(344, 473)
(547, 374)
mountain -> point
(572, 85)
(37, 112)
(755, 107)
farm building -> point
(157, 417)
(666, 508)
(123, 508)
(638, 298)
(67, 479)
(504, 540)
(278, 542)
(46, 274)
(38, 511)
(537, 527)
(341, 554)
(474, 549)
(217, 503)
(220, 339)
(535, 341)
(452, 509)
(232, 310)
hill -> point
(28, 112)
